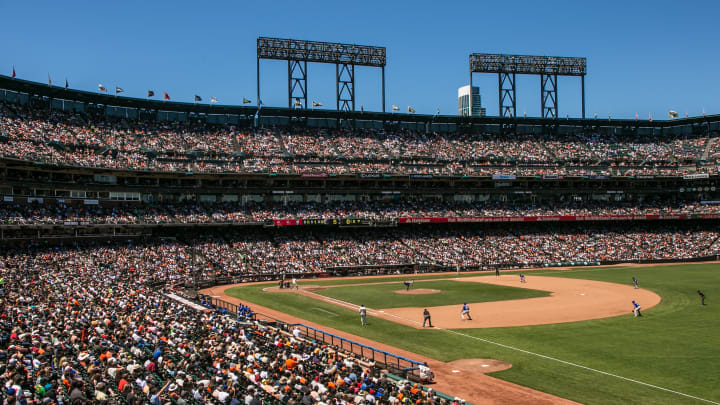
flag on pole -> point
(166, 96)
(297, 102)
(246, 101)
(395, 108)
(362, 110)
(49, 81)
(649, 117)
(316, 104)
(151, 93)
(198, 98)
(411, 110)
(687, 114)
(67, 85)
(102, 88)
(703, 111)
(636, 116)
(672, 114)
(118, 90)
(213, 100)
(13, 73)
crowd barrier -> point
(392, 362)
(407, 368)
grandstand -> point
(109, 201)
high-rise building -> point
(464, 102)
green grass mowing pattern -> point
(673, 346)
(451, 293)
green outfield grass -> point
(673, 346)
(451, 293)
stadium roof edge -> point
(58, 92)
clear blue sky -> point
(643, 56)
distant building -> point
(464, 102)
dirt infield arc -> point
(571, 300)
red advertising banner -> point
(287, 222)
(548, 218)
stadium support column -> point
(582, 86)
(297, 84)
(258, 82)
(506, 95)
(345, 86)
(548, 96)
(383, 88)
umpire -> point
(702, 297)
(426, 318)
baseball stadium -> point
(155, 251)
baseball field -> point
(568, 333)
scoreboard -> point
(322, 221)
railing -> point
(403, 366)
(217, 303)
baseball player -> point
(522, 278)
(635, 282)
(636, 309)
(363, 315)
(408, 284)
(294, 283)
(465, 311)
(426, 318)
(702, 297)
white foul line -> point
(353, 306)
(326, 311)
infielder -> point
(522, 278)
(635, 282)
(465, 311)
(363, 315)
(408, 284)
(636, 309)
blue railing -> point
(400, 365)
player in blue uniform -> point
(635, 282)
(522, 278)
(465, 311)
(636, 309)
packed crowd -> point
(95, 140)
(266, 252)
(58, 213)
(90, 325)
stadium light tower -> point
(345, 57)
(548, 67)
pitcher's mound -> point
(481, 365)
(417, 291)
